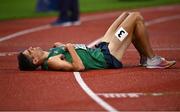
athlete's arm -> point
(59, 63)
(76, 60)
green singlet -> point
(91, 58)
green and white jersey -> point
(92, 58)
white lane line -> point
(162, 19)
(159, 49)
(8, 53)
(87, 90)
(135, 95)
(116, 13)
(23, 32)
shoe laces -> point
(155, 60)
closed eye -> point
(29, 53)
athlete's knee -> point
(125, 13)
(137, 15)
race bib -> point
(121, 34)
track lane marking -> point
(162, 19)
(135, 95)
(95, 97)
(23, 32)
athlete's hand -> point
(69, 46)
(58, 44)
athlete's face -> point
(35, 54)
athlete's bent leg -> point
(117, 48)
(134, 25)
(141, 42)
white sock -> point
(143, 60)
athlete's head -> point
(31, 58)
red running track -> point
(130, 88)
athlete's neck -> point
(44, 57)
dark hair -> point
(25, 63)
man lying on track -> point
(127, 28)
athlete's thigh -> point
(116, 46)
(114, 26)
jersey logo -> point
(80, 46)
(121, 34)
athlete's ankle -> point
(143, 60)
